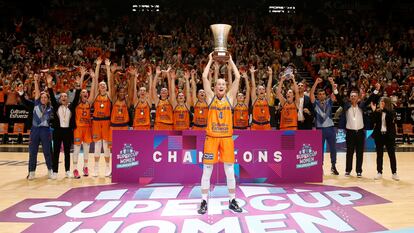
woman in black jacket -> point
(384, 134)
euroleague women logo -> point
(173, 208)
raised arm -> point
(110, 77)
(206, 82)
(132, 89)
(234, 88)
(193, 87)
(296, 90)
(94, 86)
(216, 71)
(253, 92)
(97, 69)
(36, 84)
(280, 96)
(312, 92)
(229, 75)
(188, 101)
(155, 97)
(334, 88)
(269, 82)
(49, 80)
(172, 76)
(150, 94)
(247, 98)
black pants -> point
(355, 140)
(304, 125)
(389, 142)
(64, 135)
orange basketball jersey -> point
(164, 112)
(119, 114)
(181, 118)
(142, 115)
(102, 108)
(289, 116)
(261, 114)
(240, 116)
(200, 114)
(83, 115)
(220, 119)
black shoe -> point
(347, 174)
(203, 207)
(234, 206)
(359, 174)
(334, 171)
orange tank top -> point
(220, 119)
(142, 114)
(164, 112)
(181, 118)
(200, 114)
(102, 108)
(289, 116)
(261, 114)
(240, 116)
(119, 114)
(83, 115)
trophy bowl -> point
(220, 34)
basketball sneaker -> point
(85, 171)
(31, 176)
(233, 205)
(76, 174)
(203, 207)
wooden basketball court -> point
(399, 214)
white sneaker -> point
(108, 171)
(68, 175)
(31, 176)
(378, 176)
(95, 172)
(395, 177)
(50, 174)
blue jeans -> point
(329, 135)
(39, 135)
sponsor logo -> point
(127, 157)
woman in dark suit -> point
(384, 134)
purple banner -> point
(176, 156)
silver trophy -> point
(220, 34)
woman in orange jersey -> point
(199, 104)
(180, 105)
(260, 102)
(289, 106)
(101, 118)
(219, 145)
(164, 109)
(241, 109)
(82, 133)
(142, 102)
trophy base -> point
(221, 56)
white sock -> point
(205, 180)
(76, 150)
(98, 147)
(231, 181)
(106, 151)
(85, 154)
